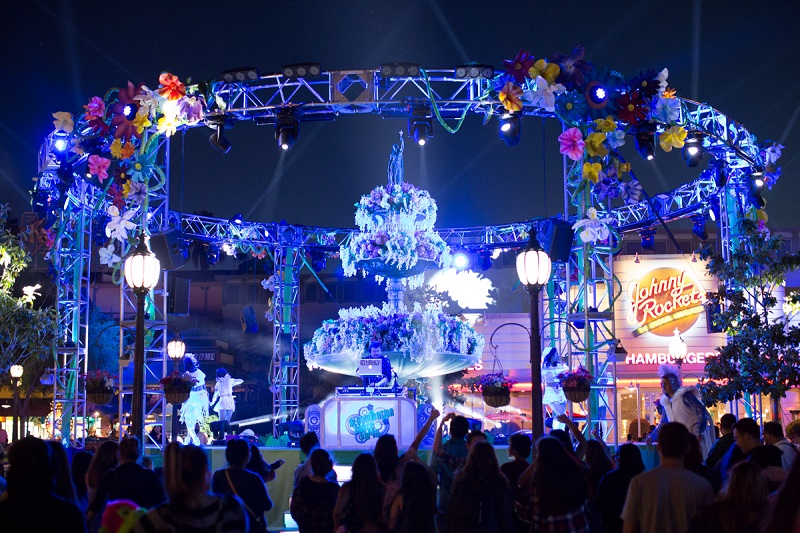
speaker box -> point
(167, 248)
(556, 238)
(249, 324)
(178, 300)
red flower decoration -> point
(116, 193)
(124, 111)
(518, 68)
(632, 108)
(171, 87)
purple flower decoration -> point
(573, 68)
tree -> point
(761, 355)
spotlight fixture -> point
(648, 238)
(237, 219)
(756, 180)
(217, 138)
(286, 128)
(420, 125)
(212, 255)
(597, 95)
(486, 260)
(460, 260)
(399, 70)
(237, 75)
(645, 137)
(318, 261)
(718, 168)
(510, 128)
(699, 226)
(693, 149)
(60, 144)
(300, 70)
(474, 71)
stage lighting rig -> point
(693, 149)
(286, 128)
(420, 124)
(699, 226)
(217, 138)
(648, 238)
(461, 260)
(399, 70)
(645, 138)
(474, 71)
(300, 70)
(510, 128)
(240, 74)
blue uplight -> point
(460, 261)
(60, 145)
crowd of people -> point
(747, 482)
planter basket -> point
(176, 397)
(99, 398)
(577, 394)
(497, 399)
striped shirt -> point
(225, 514)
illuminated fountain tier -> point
(396, 244)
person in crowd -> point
(747, 436)
(59, 467)
(248, 486)
(190, 507)
(693, 461)
(308, 443)
(30, 505)
(314, 498)
(580, 451)
(80, 465)
(105, 459)
(666, 498)
(391, 464)
(684, 404)
(147, 462)
(155, 434)
(725, 441)
(599, 464)
(793, 432)
(783, 514)
(773, 436)
(559, 490)
(448, 457)
(519, 448)
(740, 506)
(413, 508)
(3, 435)
(257, 464)
(474, 436)
(480, 499)
(359, 504)
(613, 488)
(128, 481)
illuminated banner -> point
(358, 421)
(663, 299)
(660, 358)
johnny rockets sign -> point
(663, 299)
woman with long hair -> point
(191, 507)
(480, 500)
(559, 490)
(613, 488)
(359, 504)
(80, 465)
(414, 507)
(784, 511)
(105, 459)
(740, 506)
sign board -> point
(358, 421)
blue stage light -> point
(60, 145)
(237, 218)
(460, 260)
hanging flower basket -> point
(177, 397)
(497, 398)
(577, 394)
(99, 398)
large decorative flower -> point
(667, 110)
(119, 225)
(572, 143)
(615, 138)
(592, 172)
(171, 87)
(548, 71)
(593, 228)
(771, 153)
(631, 191)
(148, 102)
(571, 107)
(141, 166)
(142, 121)
(116, 149)
(63, 121)
(632, 108)
(601, 90)
(646, 83)
(98, 166)
(545, 94)
(134, 191)
(108, 257)
(511, 97)
(95, 109)
(605, 125)
(573, 68)
(191, 109)
(124, 112)
(519, 66)
(117, 196)
(608, 187)
(672, 138)
(595, 145)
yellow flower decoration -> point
(141, 122)
(672, 138)
(63, 121)
(548, 71)
(605, 125)
(669, 93)
(510, 97)
(116, 149)
(126, 188)
(591, 172)
(624, 167)
(168, 125)
(762, 215)
(595, 145)
(127, 150)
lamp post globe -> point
(677, 347)
(533, 268)
(175, 349)
(16, 375)
(142, 272)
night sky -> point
(56, 55)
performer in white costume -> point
(553, 394)
(223, 393)
(195, 408)
(685, 405)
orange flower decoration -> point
(511, 97)
(669, 93)
(171, 87)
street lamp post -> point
(142, 271)
(533, 269)
(16, 376)
(175, 349)
(678, 348)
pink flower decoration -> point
(571, 143)
(95, 109)
(98, 166)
